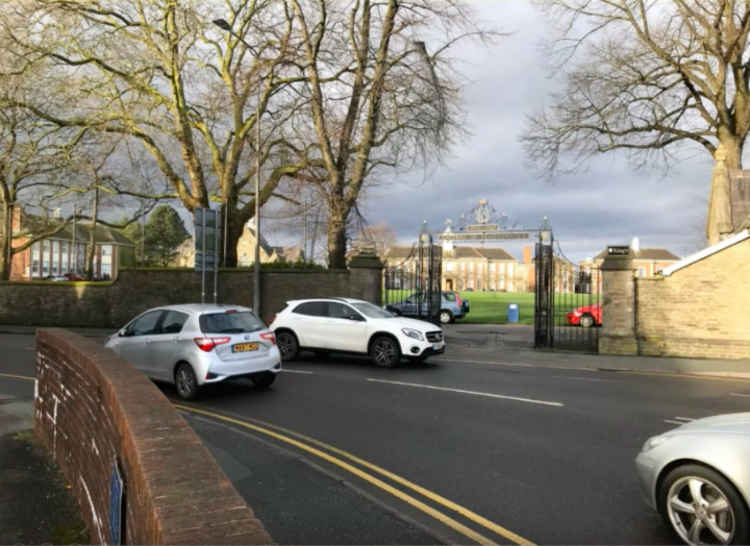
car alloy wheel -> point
(287, 343)
(445, 316)
(185, 381)
(586, 321)
(385, 352)
(703, 507)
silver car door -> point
(163, 345)
(135, 345)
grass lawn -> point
(492, 307)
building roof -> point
(399, 252)
(657, 254)
(102, 234)
(495, 254)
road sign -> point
(115, 506)
(207, 233)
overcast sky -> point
(608, 203)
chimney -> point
(15, 220)
(635, 245)
(527, 254)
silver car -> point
(196, 344)
(698, 477)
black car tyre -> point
(185, 381)
(586, 321)
(385, 352)
(445, 316)
(288, 345)
(703, 507)
(263, 380)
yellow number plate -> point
(242, 347)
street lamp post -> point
(222, 24)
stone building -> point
(245, 251)
(470, 268)
(647, 262)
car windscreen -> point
(371, 311)
(237, 322)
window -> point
(471, 266)
(46, 245)
(312, 308)
(230, 322)
(641, 272)
(36, 265)
(449, 266)
(55, 270)
(449, 296)
(341, 311)
(106, 261)
(64, 263)
(173, 322)
(144, 325)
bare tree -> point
(380, 235)
(382, 93)
(649, 78)
(160, 73)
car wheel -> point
(385, 352)
(263, 380)
(586, 321)
(445, 316)
(185, 381)
(287, 343)
(702, 507)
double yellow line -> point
(306, 444)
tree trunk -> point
(5, 240)
(728, 157)
(91, 247)
(235, 226)
(336, 242)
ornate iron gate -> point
(412, 287)
(567, 311)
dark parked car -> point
(452, 307)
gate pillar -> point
(618, 332)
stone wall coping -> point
(706, 252)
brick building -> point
(65, 251)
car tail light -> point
(458, 299)
(268, 336)
(208, 343)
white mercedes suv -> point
(353, 326)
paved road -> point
(544, 453)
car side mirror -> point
(123, 333)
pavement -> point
(36, 506)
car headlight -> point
(416, 334)
(654, 441)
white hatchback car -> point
(354, 326)
(196, 344)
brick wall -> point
(699, 311)
(92, 409)
(112, 305)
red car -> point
(586, 316)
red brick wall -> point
(92, 408)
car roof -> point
(201, 308)
(335, 298)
